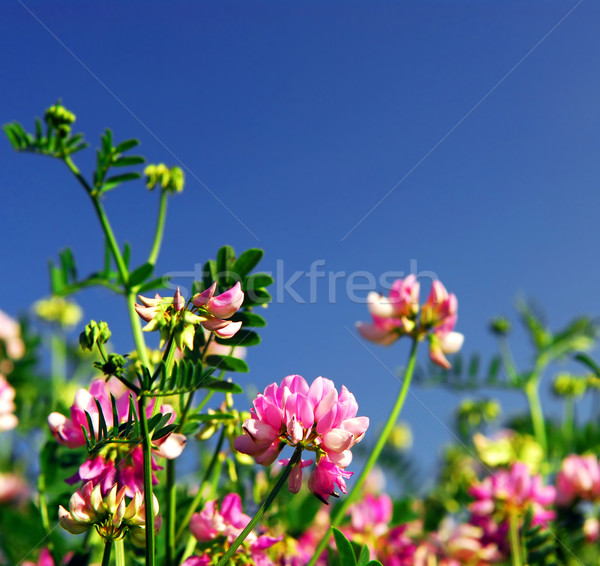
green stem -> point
(537, 414)
(136, 328)
(515, 542)
(263, 508)
(160, 228)
(43, 505)
(120, 552)
(106, 554)
(171, 496)
(340, 510)
(199, 495)
(568, 422)
(73, 168)
(147, 466)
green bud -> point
(95, 332)
(59, 118)
(58, 310)
(170, 180)
(113, 366)
(500, 326)
(567, 385)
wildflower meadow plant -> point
(95, 439)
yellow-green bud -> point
(567, 385)
(500, 326)
(58, 310)
(95, 332)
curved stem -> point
(160, 228)
(147, 465)
(136, 328)
(106, 554)
(340, 510)
(261, 511)
(537, 414)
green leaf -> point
(228, 363)
(215, 384)
(116, 180)
(225, 261)
(140, 274)
(128, 160)
(589, 363)
(209, 273)
(249, 319)
(256, 297)
(126, 253)
(247, 261)
(57, 281)
(258, 280)
(344, 548)
(68, 265)
(126, 145)
(162, 432)
(364, 556)
(241, 338)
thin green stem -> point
(515, 542)
(160, 228)
(568, 423)
(263, 508)
(340, 510)
(106, 554)
(147, 466)
(120, 552)
(136, 328)
(537, 414)
(43, 505)
(58, 362)
(171, 497)
(199, 495)
(73, 168)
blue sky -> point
(460, 136)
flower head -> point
(578, 478)
(399, 315)
(110, 514)
(316, 418)
(7, 406)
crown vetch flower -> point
(112, 517)
(578, 478)
(217, 309)
(229, 521)
(398, 315)
(10, 334)
(7, 406)
(316, 418)
(513, 491)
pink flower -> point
(578, 478)
(372, 514)
(393, 316)
(228, 522)
(13, 489)
(515, 492)
(10, 334)
(218, 308)
(7, 406)
(45, 559)
(315, 417)
(398, 315)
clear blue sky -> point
(463, 136)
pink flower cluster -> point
(316, 418)
(228, 522)
(126, 470)
(10, 334)
(398, 315)
(7, 406)
(578, 479)
(173, 319)
(513, 491)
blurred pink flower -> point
(45, 559)
(10, 334)
(8, 421)
(13, 489)
(513, 491)
(229, 521)
(578, 478)
(315, 417)
(398, 315)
